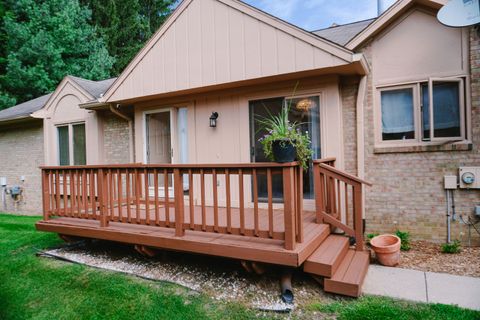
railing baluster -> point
(72, 194)
(228, 199)
(346, 203)
(78, 200)
(65, 197)
(190, 199)
(241, 199)
(202, 192)
(179, 205)
(299, 208)
(128, 190)
(147, 198)
(84, 194)
(255, 201)
(92, 194)
(138, 192)
(102, 185)
(111, 193)
(338, 203)
(155, 191)
(270, 202)
(165, 193)
(215, 200)
(119, 195)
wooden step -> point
(349, 276)
(325, 260)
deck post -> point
(357, 216)
(299, 208)
(102, 192)
(289, 207)
(46, 195)
(179, 205)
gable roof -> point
(230, 27)
(95, 88)
(23, 110)
(392, 13)
(342, 34)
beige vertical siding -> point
(212, 43)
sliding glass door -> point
(303, 110)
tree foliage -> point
(127, 24)
(46, 40)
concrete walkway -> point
(423, 286)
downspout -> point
(131, 145)
(362, 93)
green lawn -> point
(41, 288)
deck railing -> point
(338, 199)
(164, 196)
(215, 198)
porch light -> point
(213, 119)
(304, 104)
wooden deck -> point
(116, 203)
(218, 244)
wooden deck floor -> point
(157, 235)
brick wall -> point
(115, 139)
(408, 189)
(21, 152)
(348, 94)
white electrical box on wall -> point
(450, 182)
(469, 177)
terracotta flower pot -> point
(387, 249)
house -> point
(394, 100)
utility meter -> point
(469, 177)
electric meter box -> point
(469, 177)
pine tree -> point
(127, 24)
(46, 40)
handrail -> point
(154, 195)
(339, 197)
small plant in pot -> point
(284, 141)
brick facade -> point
(22, 153)
(115, 139)
(408, 189)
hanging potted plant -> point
(284, 141)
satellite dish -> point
(460, 13)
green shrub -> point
(452, 247)
(405, 238)
(370, 236)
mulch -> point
(427, 256)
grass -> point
(40, 288)
(381, 308)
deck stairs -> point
(342, 268)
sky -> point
(318, 14)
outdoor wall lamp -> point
(213, 119)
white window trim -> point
(70, 140)
(464, 113)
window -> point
(423, 112)
(72, 137)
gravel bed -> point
(427, 256)
(222, 279)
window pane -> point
(397, 114)
(79, 145)
(446, 110)
(63, 146)
(425, 112)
